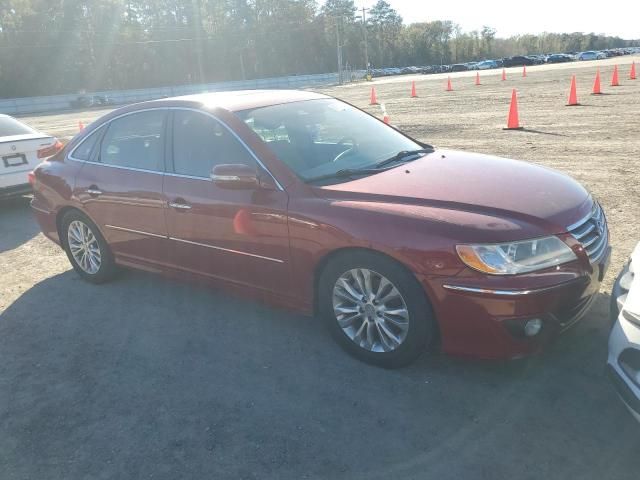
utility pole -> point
(366, 43)
(339, 48)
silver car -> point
(591, 55)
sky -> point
(516, 17)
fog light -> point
(532, 327)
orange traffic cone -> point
(449, 86)
(524, 70)
(477, 78)
(632, 73)
(374, 100)
(573, 94)
(504, 75)
(80, 125)
(513, 123)
(413, 90)
(614, 78)
(596, 84)
(385, 115)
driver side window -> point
(201, 142)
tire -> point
(73, 228)
(409, 338)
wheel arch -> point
(332, 255)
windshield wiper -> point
(344, 173)
(402, 154)
(377, 168)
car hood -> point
(479, 184)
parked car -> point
(537, 59)
(459, 67)
(559, 58)
(21, 149)
(393, 71)
(89, 101)
(623, 363)
(517, 61)
(487, 64)
(591, 55)
(311, 203)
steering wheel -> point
(348, 151)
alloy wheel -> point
(370, 310)
(84, 247)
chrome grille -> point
(592, 233)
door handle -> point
(94, 191)
(179, 206)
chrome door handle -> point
(180, 206)
(94, 191)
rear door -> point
(234, 235)
(120, 184)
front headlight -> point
(516, 257)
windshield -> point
(320, 137)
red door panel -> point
(235, 235)
(120, 186)
(128, 206)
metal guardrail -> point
(18, 106)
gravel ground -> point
(148, 378)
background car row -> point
(513, 61)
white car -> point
(21, 149)
(487, 64)
(623, 364)
(591, 55)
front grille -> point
(592, 233)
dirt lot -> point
(147, 378)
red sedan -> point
(307, 202)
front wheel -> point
(86, 248)
(375, 309)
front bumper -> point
(484, 322)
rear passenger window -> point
(135, 141)
(83, 151)
(200, 143)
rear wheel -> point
(86, 248)
(375, 309)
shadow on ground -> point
(147, 378)
(14, 230)
(540, 132)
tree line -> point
(67, 46)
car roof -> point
(239, 99)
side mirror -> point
(240, 177)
